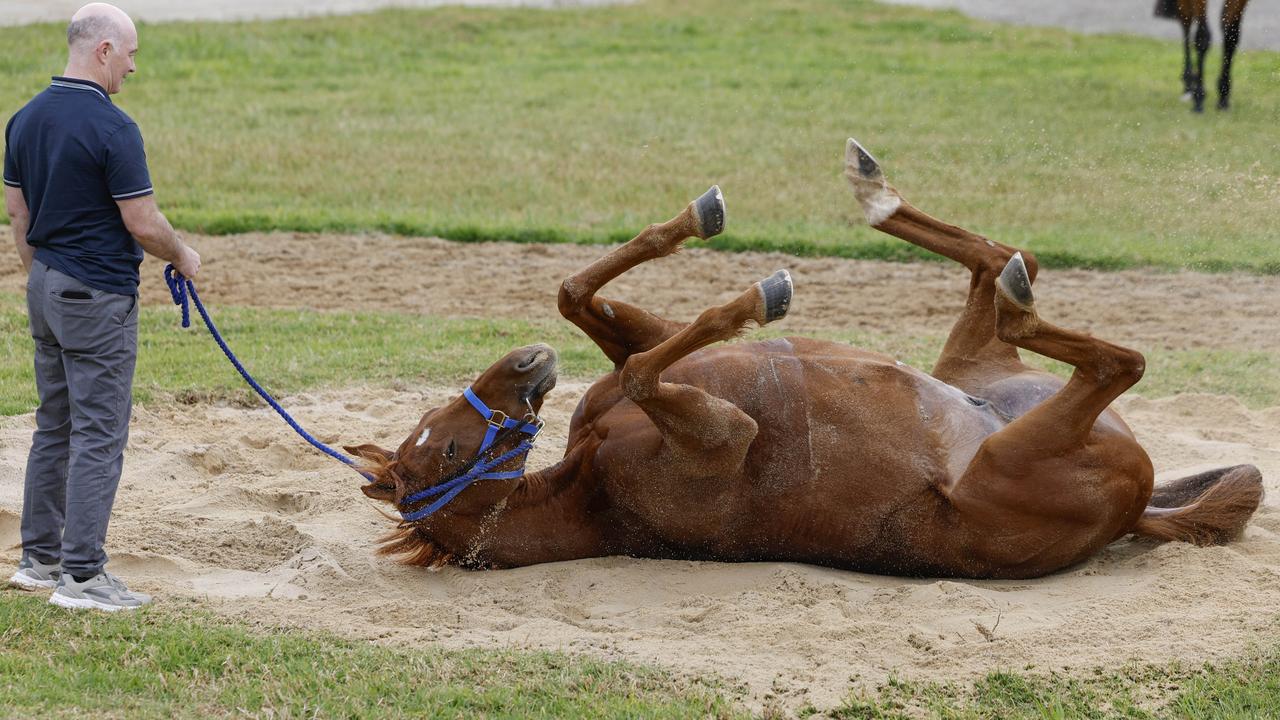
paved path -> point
(1260, 29)
(22, 12)
(1261, 20)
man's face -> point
(120, 60)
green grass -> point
(175, 660)
(1244, 689)
(578, 125)
(290, 351)
(179, 662)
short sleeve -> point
(127, 174)
(12, 173)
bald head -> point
(101, 43)
(95, 23)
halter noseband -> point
(499, 426)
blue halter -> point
(480, 466)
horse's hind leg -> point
(973, 355)
(1058, 482)
(1102, 371)
(620, 329)
(1232, 12)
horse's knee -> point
(571, 298)
(637, 380)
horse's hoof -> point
(710, 211)
(1224, 104)
(1015, 284)
(776, 291)
(856, 155)
(878, 200)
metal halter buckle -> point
(497, 418)
(536, 422)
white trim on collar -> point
(78, 86)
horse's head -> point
(483, 434)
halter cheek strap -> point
(498, 420)
(479, 468)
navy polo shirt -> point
(74, 154)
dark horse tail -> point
(1206, 509)
(1167, 9)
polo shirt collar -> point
(81, 85)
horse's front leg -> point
(1203, 38)
(620, 329)
(702, 439)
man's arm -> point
(154, 233)
(15, 203)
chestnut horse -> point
(1196, 12)
(797, 449)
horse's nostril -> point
(529, 361)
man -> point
(80, 203)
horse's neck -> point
(539, 520)
(541, 486)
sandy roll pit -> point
(226, 505)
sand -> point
(227, 506)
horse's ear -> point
(380, 491)
(368, 451)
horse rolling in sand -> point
(1196, 12)
(797, 449)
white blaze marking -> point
(426, 433)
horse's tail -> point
(1207, 509)
(1167, 9)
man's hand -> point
(187, 262)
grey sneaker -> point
(35, 575)
(103, 591)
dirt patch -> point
(227, 505)
(1146, 310)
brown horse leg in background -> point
(620, 329)
(1232, 13)
(1194, 12)
(973, 355)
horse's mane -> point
(413, 547)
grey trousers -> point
(86, 346)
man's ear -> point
(369, 451)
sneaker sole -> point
(25, 583)
(87, 604)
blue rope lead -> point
(181, 288)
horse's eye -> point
(453, 448)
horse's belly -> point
(849, 446)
